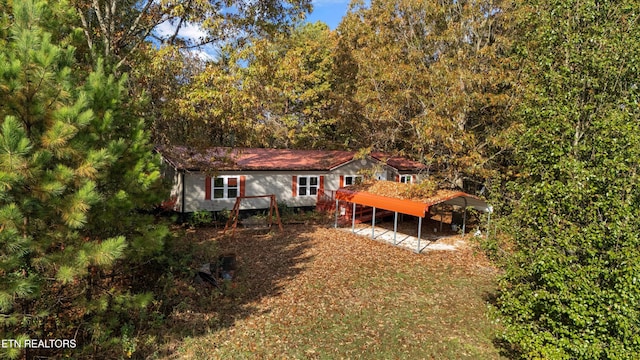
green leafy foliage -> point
(571, 288)
(201, 218)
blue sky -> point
(328, 11)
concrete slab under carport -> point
(398, 205)
(428, 242)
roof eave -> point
(345, 163)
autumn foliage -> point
(534, 101)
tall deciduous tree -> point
(168, 73)
(274, 92)
(426, 79)
(115, 29)
(139, 37)
(76, 175)
(291, 79)
(571, 290)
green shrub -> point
(571, 289)
(200, 218)
(284, 210)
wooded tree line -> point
(537, 99)
(431, 81)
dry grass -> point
(316, 292)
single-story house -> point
(211, 179)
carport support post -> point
(353, 220)
(336, 223)
(441, 215)
(373, 224)
(419, 233)
(395, 226)
(464, 216)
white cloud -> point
(203, 54)
(318, 3)
(188, 31)
(164, 29)
(192, 33)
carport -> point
(418, 208)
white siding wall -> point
(354, 168)
(256, 183)
(265, 183)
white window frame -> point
(353, 178)
(405, 177)
(308, 186)
(225, 187)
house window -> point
(307, 185)
(352, 179)
(226, 187)
(408, 179)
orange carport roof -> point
(411, 207)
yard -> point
(317, 292)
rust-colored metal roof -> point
(227, 159)
(415, 207)
(230, 159)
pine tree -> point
(76, 176)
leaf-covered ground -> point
(317, 292)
